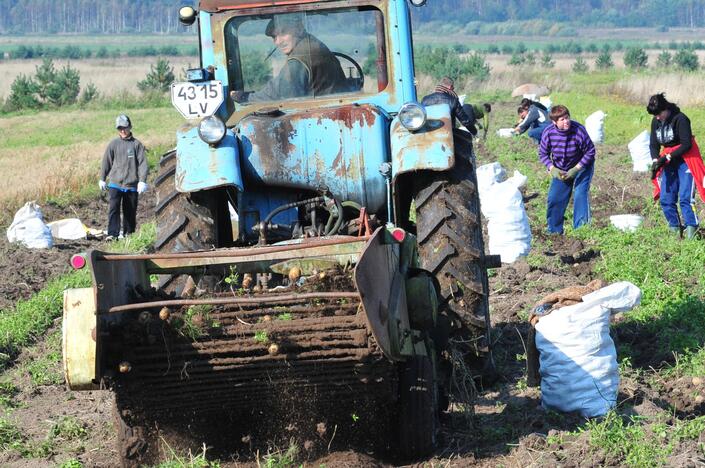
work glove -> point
(572, 172)
(101, 185)
(142, 187)
(657, 164)
(556, 173)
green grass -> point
(31, 318)
(640, 441)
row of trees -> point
(52, 88)
(601, 13)
(636, 59)
(161, 16)
(75, 52)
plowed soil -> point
(509, 427)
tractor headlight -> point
(412, 116)
(211, 130)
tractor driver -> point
(310, 67)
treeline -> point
(90, 16)
(602, 13)
(523, 16)
(76, 52)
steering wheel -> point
(356, 84)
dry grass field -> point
(110, 76)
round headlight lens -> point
(412, 116)
(418, 3)
(212, 130)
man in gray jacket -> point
(124, 174)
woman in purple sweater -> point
(569, 155)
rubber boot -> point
(675, 229)
(690, 232)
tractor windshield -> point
(309, 54)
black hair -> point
(658, 103)
(526, 103)
(487, 106)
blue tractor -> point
(319, 240)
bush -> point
(580, 66)
(686, 59)
(159, 78)
(592, 48)
(90, 93)
(517, 59)
(664, 59)
(22, 94)
(493, 49)
(547, 61)
(442, 61)
(604, 61)
(635, 58)
(102, 52)
(169, 50)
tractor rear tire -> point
(449, 232)
(189, 221)
(418, 409)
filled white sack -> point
(577, 357)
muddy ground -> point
(509, 427)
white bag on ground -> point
(595, 126)
(578, 361)
(28, 228)
(489, 174)
(69, 228)
(640, 152)
(503, 206)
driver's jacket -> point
(310, 69)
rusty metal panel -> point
(200, 166)
(428, 148)
(339, 148)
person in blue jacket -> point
(534, 119)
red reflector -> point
(398, 234)
(78, 261)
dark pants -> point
(535, 133)
(128, 200)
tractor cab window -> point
(311, 54)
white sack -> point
(507, 223)
(69, 228)
(578, 361)
(640, 152)
(505, 132)
(28, 228)
(595, 126)
(626, 222)
(489, 174)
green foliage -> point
(68, 428)
(580, 66)
(517, 59)
(686, 59)
(71, 463)
(8, 391)
(664, 59)
(90, 93)
(442, 61)
(159, 78)
(547, 60)
(604, 61)
(635, 58)
(23, 95)
(261, 336)
(48, 87)
(10, 435)
(626, 440)
(282, 458)
(256, 71)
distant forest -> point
(160, 16)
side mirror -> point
(418, 3)
(187, 15)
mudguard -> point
(430, 147)
(200, 166)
